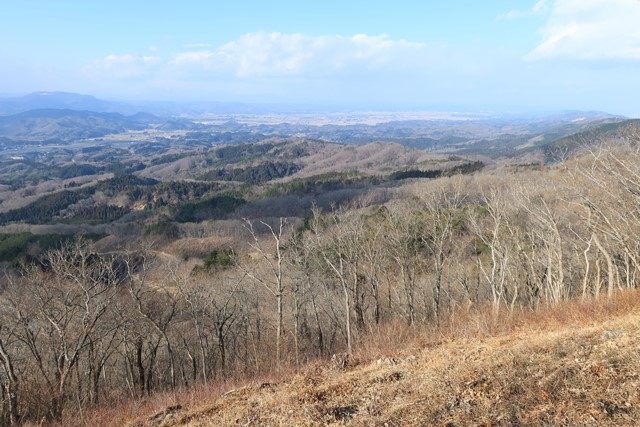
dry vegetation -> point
(443, 265)
(574, 364)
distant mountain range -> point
(61, 116)
(67, 124)
(74, 101)
(277, 112)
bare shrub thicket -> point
(83, 328)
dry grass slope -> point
(574, 365)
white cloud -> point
(279, 54)
(261, 54)
(590, 30)
(539, 7)
(123, 66)
(270, 66)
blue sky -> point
(504, 55)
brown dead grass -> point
(576, 364)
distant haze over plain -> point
(256, 113)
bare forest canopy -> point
(143, 254)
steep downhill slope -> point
(577, 365)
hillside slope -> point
(585, 373)
(627, 131)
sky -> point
(474, 55)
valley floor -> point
(580, 371)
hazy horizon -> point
(238, 108)
(545, 55)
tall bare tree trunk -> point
(611, 274)
(10, 386)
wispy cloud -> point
(296, 66)
(263, 55)
(124, 66)
(538, 8)
(593, 30)
(280, 54)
